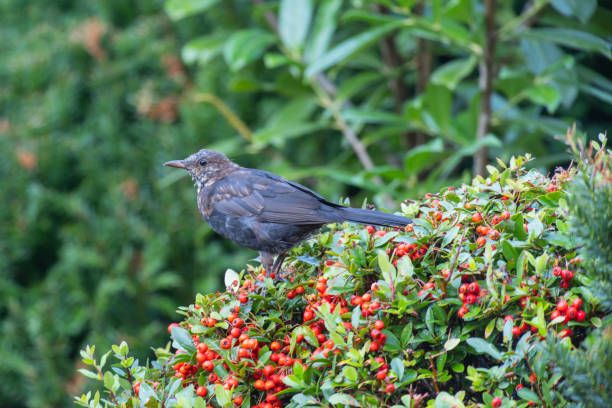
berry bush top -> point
(455, 310)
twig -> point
(435, 374)
(227, 113)
(526, 18)
(537, 385)
(454, 264)
(486, 85)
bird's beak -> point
(179, 164)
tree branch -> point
(486, 85)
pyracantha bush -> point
(451, 311)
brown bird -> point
(263, 211)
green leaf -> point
(483, 346)
(451, 73)
(222, 395)
(546, 95)
(519, 230)
(451, 343)
(245, 46)
(489, 328)
(449, 236)
(177, 9)
(424, 156)
(294, 21)
(397, 365)
(528, 395)
(571, 38)
(203, 49)
(340, 398)
(89, 374)
(322, 30)
(508, 325)
(445, 400)
(388, 270)
(350, 373)
(182, 339)
(582, 9)
(405, 269)
(349, 47)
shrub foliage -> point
(457, 310)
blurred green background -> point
(379, 99)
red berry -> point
(572, 313)
(554, 314)
(556, 271)
(580, 316)
(567, 275)
(481, 241)
(508, 317)
(171, 325)
(562, 306)
(299, 290)
(474, 288)
(496, 402)
(496, 220)
(505, 215)
(390, 389)
(259, 385)
(208, 366)
(469, 299)
(381, 375)
(519, 386)
(577, 303)
(242, 298)
(516, 331)
(238, 400)
(462, 311)
(379, 325)
(476, 217)
(201, 391)
(268, 370)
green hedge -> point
(464, 308)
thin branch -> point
(486, 85)
(227, 113)
(525, 19)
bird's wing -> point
(269, 198)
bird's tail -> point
(371, 217)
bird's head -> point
(205, 167)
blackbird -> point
(263, 211)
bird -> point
(263, 211)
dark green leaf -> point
(483, 346)
(349, 47)
(571, 38)
(245, 46)
(178, 9)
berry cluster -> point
(565, 274)
(569, 311)
(469, 293)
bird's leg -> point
(278, 263)
(267, 260)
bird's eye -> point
(203, 162)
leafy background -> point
(378, 99)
